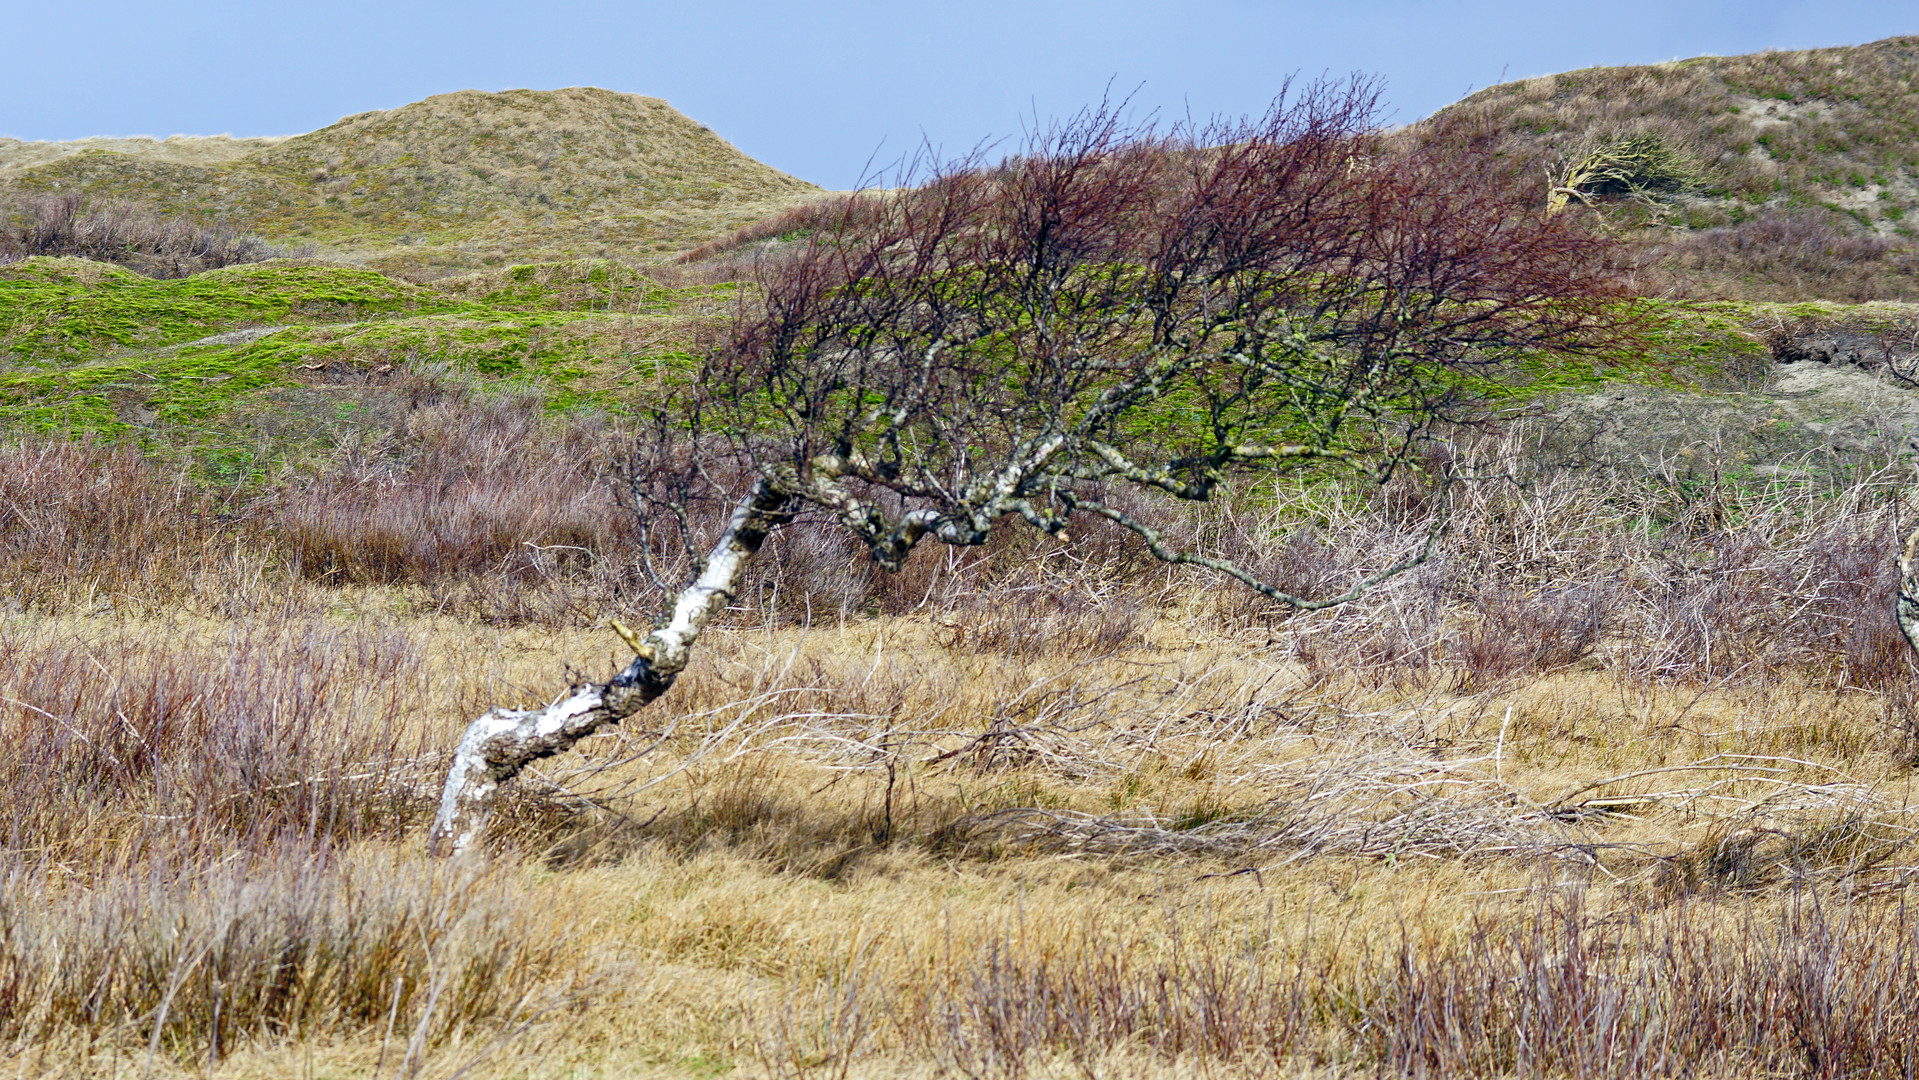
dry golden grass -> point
(16, 155)
(834, 883)
(1619, 786)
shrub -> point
(133, 236)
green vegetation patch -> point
(1883, 318)
(53, 313)
(585, 358)
(573, 285)
(1712, 344)
(1706, 345)
(555, 346)
(99, 351)
(112, 397)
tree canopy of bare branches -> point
(1112, 307)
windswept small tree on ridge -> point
(1112, 307)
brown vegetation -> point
(1033, 809)
(1785, 172)
(122, 233)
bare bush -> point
(1784, 256)
(483, 502)
(196, 967)
(489, 508)
(1769, 591)
(1519, 634)
(153, 244)
(89, 526)
(201, 749)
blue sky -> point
(821, 89)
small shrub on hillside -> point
(140, 239)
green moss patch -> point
(98, 351)
(54, 313)
(573, 285)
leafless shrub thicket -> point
(482, 502)
(140, 239)
(88, 526)
(488, 508)
(282, 732)
(1782, 256)
(192, 967)
(1822, 987)
(1778, 580)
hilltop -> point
(1789, 175)
(453, 183)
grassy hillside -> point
(456, 182)
(260, 365)
(1794, 172)
(16, 155)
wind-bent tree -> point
(1113, 307)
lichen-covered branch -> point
(1907, 605)
(1156, 543)
(501, 743)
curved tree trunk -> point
(502, 742)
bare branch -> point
(1156, 543)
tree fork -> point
(501, 743)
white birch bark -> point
(1907, 607)
(502, 742)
